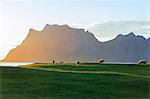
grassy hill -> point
(67, 81)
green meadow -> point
(71, 81)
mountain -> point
(63, 43)
(126, 48)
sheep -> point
(142, 62)
(100, 61)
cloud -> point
(76, 25)
(109, 30)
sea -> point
(14, 64)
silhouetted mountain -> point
(127, 48)
(63, 43)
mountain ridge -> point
(63, 43)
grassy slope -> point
(28, 83)
(131, 69)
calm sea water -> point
(14, 63)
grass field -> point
(70, 81)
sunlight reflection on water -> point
(14, 63)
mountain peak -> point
(131, 34)
(65, 26)
(55, 26)
(119, 36)
(31, 30)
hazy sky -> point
(17, 16)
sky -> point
(18, 16)
(109, 30)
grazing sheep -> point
(53, 61)
(142, 62)
(100, 61)
(77, 62)
(61, 62)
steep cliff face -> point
(63, 43)
(54, 42)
